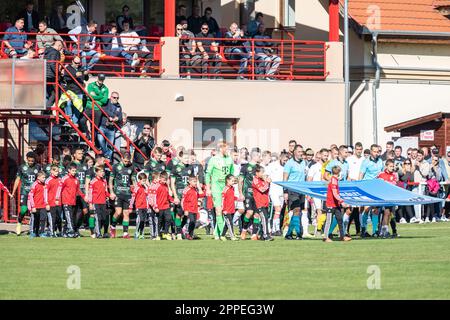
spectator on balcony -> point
(46, 37)
(30, 16)
(253, 25)
(145, 143)
(85, 44)
(181, 14)
(212, 23)
(112, 46)
(209, 52)
(237, 49)
(195, 21)
(109, 120)
(124, 17)
(15, 39)
(52, 55)
(99, 93)
(74, 79)
(188, 59)
(155, 30)
(58, 19)
(132, 44)
(268, 62)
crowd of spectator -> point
(200, 55)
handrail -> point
(310, 53)
(94, 103)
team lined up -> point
(170, 194)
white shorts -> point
(277, 199)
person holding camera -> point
(237, 49)
(144, 142)
(268, 61)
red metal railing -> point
(298, 60)
(111, 62)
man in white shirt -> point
(132, 43)
(354, 168)
(315, 174)
(275, 171)
(85, 44)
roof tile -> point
(415, 15)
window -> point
(288, 13)
(207, 132)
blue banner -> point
(362, 193)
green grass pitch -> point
(414, 266)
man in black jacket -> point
(74, 79)
(52, 54)
(144, 142)
(30, 16)
(113, 117)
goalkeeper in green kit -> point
(219, 167)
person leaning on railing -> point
(52, 55)
(236, 49)
(268, 61)
(111, 117)
(133, 44)
(188, 59)
(100, 93)
(112, 46)
(209, 52)
(15, 39)
(46, 37)
(85, 44)
(74, 80)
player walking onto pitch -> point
(120, 186)
(248, 171)
(26, 175)
(390, 176)
(36, 205)
(334, 204)
(140, 199)
(97, 196)
(261, 186)
(219, 167)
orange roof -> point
(399, 15)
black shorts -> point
(296, 200)
(81, 204)
(249, 203)
(122, 202)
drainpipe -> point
(375, 85)
(347, 113)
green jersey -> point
(154, 166)
(82, 169)
(248, 171)
(218, 168)
(181, 172)
(123, 177)
(27, 177)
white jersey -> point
(354, 166)
(275, 171)
(315, 172)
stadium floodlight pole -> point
(347, 123)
